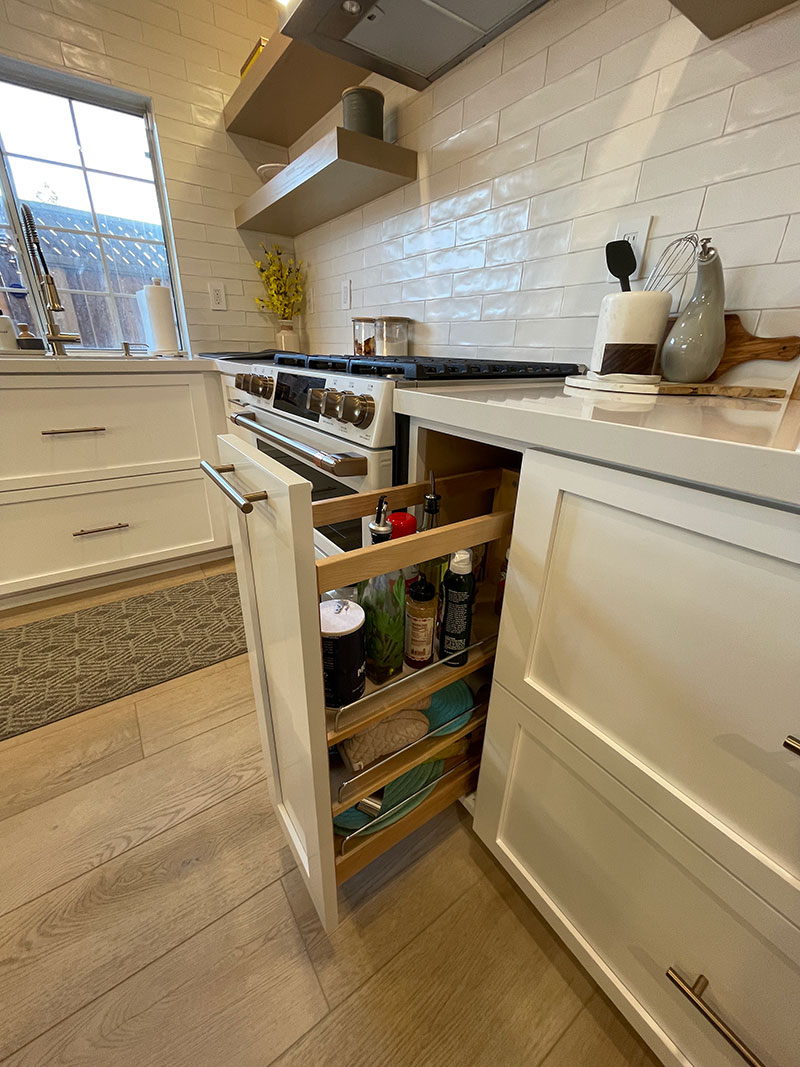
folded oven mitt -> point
(385, 737)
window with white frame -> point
(86, 171)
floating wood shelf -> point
(287, 89)
(339, 173)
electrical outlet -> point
(311, 301)
(635, 231)
(346, 295)
(216, 290)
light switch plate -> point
(216, 290)
(346, 295)
(636, 231)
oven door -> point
(333, 466)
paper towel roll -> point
(630, 329)
(155, 306)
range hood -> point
(411, 41)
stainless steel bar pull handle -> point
(694, 994)
(243, 501)
(75, 429)
(793, 744)
(343, 465)
(102, 529)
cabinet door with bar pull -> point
(272, 529)
(658, 623)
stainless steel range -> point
(331, 418)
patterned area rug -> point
(56, 667)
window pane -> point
(90, 316)
(10, 272)
(74, 260)
(16, 304)
(113, 141)
(132, 327)
(132, 264)
(37, 124)
(125, 207)
(57, 195)
(3, 215)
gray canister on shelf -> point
(696, 343)
(343, 651)
(362, 110)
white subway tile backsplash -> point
(465, 257)
(487, 333)
(769, 97)
(552, 173)
(453, 310)
(623, 23)
(430, 240)
(663, 45)
(747, 243)
(556, 333)
(677, 213)
(478, 198)
(620, 108)
(505, 89)
(585, 299)
(790, 248)
(546, 26)
(406, 222)
(468, 76)
(571, 269)
(549, 102)
(511, 219)
(467, 143)
(544, 241)
(666, 131)
(487, 280)
(769, 286)
(583, 198)
(498, 160)
(774, 145)
(531, 304)
(431, 288)
(757, 196)
(400, 270)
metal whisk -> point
(674, 263)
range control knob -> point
(238, 381)
(261, 386)
(242, 381)
(315, 401)
(330, 402)
(357, 410)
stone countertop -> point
(745, 447)
(102, 365)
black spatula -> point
(621, 262)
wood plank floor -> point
(151, 916)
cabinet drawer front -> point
(72, 531)
(639, 892)
(665, 619)
(63, 429)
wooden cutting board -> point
(676, 388)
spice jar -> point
(364, 337)
(421, 609)
(391, 336)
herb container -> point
(364, 337)
(391, 336)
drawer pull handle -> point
(694, 994)
(243, 501)
(793, 744)
(76, 429)
(102, 529)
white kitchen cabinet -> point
(272, 521)
(65, 428)
(633, 897)
(81, 530)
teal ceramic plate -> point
(394, 793)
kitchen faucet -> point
(52, 301)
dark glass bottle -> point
(458, 588)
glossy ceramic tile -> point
(754, 197)
(769, 97)
(550, 101)
(509, 87)
(620, 108)
(487, 280)
(562, 169)
(658, 48)
(495, 223)
(549, 24)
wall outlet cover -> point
(216, 291)
(636, 231)
(346, 295)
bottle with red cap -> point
(403, 524)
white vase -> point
(287, 338)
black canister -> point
(344, 661)
(362, 110)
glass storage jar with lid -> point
(364, 337)
(391, 336)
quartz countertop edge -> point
(119, 365)
(763, 471)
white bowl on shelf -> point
(267, 171)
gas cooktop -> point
(413, 368)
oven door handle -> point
(343, 465)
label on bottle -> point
(457, 621)
(419, 637)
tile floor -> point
(152, 916)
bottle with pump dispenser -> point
(383, 599)
(458, 589)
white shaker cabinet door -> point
(274, 549)
(657, 626)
